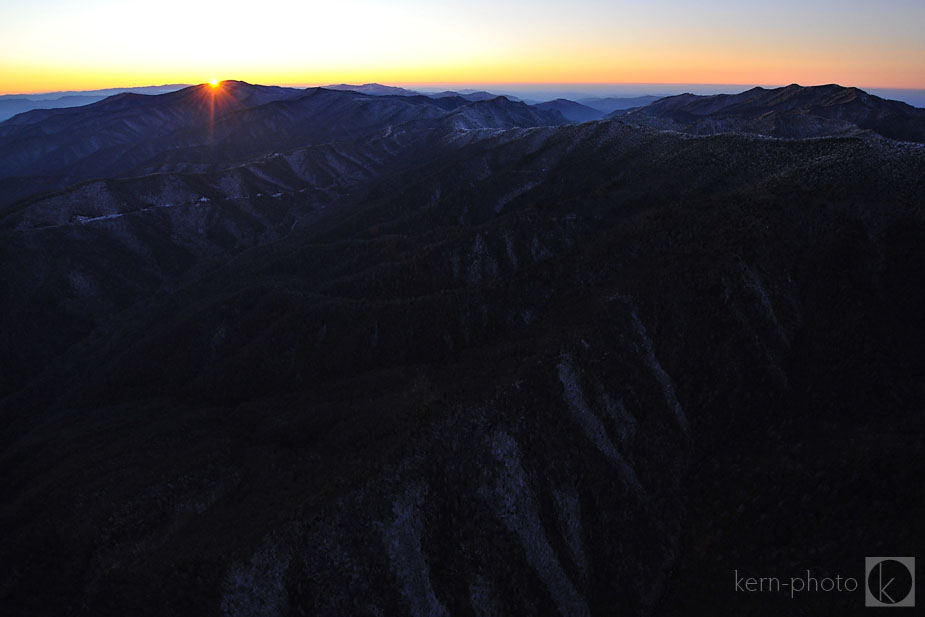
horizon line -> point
(409, 84)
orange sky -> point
(50, 45)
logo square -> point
(890, 582)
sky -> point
(50, 45)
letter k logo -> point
(890, 581)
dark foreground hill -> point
(792, 112)
(462, 364)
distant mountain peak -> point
(571, 110)
(792, 111)
(374, 89)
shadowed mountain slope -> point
(458, 371)
(400, 356)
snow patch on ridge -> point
(648, 349)
(513, 502)
(590, 423)
(257, 588)
(402, 539)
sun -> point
(214, 83)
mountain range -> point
(130, 135)
(12, 104)
(273, 351)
